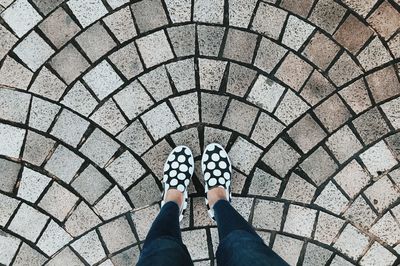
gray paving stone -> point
(14, 75)
(95, 41)
(136, 138)
(157, 83)
(240, 117)
(80, 99)
(343, 144)
(212, 135)
(7, 208)
(321, 50)
(240, 45)
(316, 255)
(145, 192)
(386, 229)
(183, 74)
(116, 3)
(381, 201)
(46, 6)
(210, 39)
(64, 163)
(142, 219)
(65, 256)
(244, 155)
(154, 48)
(352, 178)
(239, 79)
(269, 54)
(376, 255)
(149, 15)
(291, 107)
(264, 184)
(296, 32)
(327, 166)
(59, 27)
(127, 60)
(298, 189)
(8, 175)
(31, 185)
(374, 55)
(99, 147)
(48, 85)
(160, 121)
(288, 248)
(62, 128)
(81, 220)
(14, 105)
(281, 157)
(91, 184)
(133, 108)
(190, 138)
(27, 255)
(179, 10)
(370, 125)
(316, 88)
(58, 201)
(89, 247)
(7, 41)
(200, 214)
(361, 8)
(14, 138)
(306, 133)
(87, 12)
(8, 247)
(393, 143)
(53, 238)
(332, 112)
(265, 93)
(33, 51)
(109, 117)
(294, 71)
(356, 96)
(352, 242)
(266, 129)
(240, 12)
(208, 11)
(391, 110)
(340, 261)
(383, 84)
(127, 257)
(112, 204)
(183, 39)
(196, 242)
(344, 70)
(17, 10)
(211, 73)
(117, 234)
(28, 222)
(121, 24)
(327, 15)
(300, 221)
(125, 170)
(270, 222)
(103, 80)
(212, 107)
(69, 63)
(360, 213)
(269, 20)
(156, 156)
(327, 228)
(378, 159)
(332, 199)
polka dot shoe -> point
(178, 169)
(217, 171)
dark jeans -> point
(239, 243)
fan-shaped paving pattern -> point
(304, 95)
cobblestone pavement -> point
(303, 94)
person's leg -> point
(240, 245)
